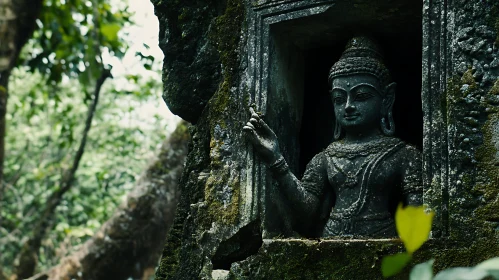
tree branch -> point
(27, 258)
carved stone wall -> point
(223, 56)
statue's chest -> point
(350, 174)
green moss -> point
(443, 106)
(183, 15)
(451, 96)
(356, 259)
(492, 20)
(181, 133)
(308, 259)
(225, 34)
(468, 78)
(486, 157)
(216, 211)
(495, 88)
(496, 26)
(454, 85)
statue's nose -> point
(349, 106)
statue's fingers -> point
(264, 125)
(252, 111)
(255, 122)
(250, 125)
(250, 132)
(254, 114)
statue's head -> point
(361, 89)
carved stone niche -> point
(293, 44)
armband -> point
(279, 166)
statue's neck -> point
(361, 137)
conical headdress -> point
(361, 56)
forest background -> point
(83, 126)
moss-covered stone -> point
(493, 20)
(210, 190)
(486, 156)
(468, 79)
(352, 259)
(191, 70)
(208, 214)
(495, 88)
(226, 34)
(221, 206)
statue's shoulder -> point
(410, 150)
(408, 155)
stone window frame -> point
(436, 69)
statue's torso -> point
(365, 181)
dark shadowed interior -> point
(313, 44)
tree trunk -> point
(129, 244)
(17, 23)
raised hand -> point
(262, 137)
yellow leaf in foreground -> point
(413, 226)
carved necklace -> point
(352, 177)
(351, 151)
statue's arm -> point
(302, 195)
(413, 177)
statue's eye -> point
(363, 95)
(339, 99)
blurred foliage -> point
(414, 227)
(72, 35)
(44, 126)
(47, 107)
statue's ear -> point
(390, 97)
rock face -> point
(221, 57)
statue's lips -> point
(351, 117)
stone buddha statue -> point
(352, 187)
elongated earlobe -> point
(337, 130)
(387, 124)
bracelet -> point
(279, 166)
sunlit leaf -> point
(392, 265)
(110, 31)
(413, 226)
(422, 271)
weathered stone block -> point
(223, 56)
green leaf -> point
(422, 271)
(413, 226)
(110, 31)
(461, 273)
(491, 266)
(391, 265)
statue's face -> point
(357, 102)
